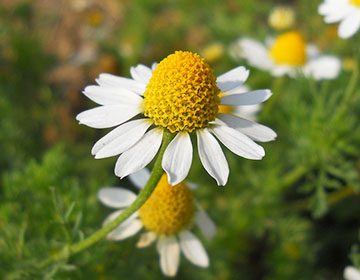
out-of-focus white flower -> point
(347, 12)
(351, 273)
(166, 216)
(282, 17)
(287, 54)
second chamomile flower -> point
(287, 54)
(166, 216)
(347, 12)
(180, 95)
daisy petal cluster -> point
(287, 54)
(166, 218)
(347, 12)
(179, 95)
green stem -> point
(276, 91)
(145, 193)
(331, 199)
(293, 176)
(350, 89)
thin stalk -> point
(145, 193)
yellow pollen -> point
(169, 209)
(289, 49)
(182, 94)
(355, 2)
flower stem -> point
(145, 193)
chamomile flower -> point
(347, 12)
(180, 95)
(288, 54)
(166, 218)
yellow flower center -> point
(289, 49)
(169, 209)
(182, 94)
(355, 2)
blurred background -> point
(294, 215)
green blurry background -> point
(294, 215)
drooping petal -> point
(323, 67)
(115, 214)
(254, 130)
(232, 79)
(205, 224)
(169, 251)
(146, 239)
(140, 178)
(139, 155)
(247, 98)
(109, 96)
(114, 134)
(116, 197)
(108, 115)
(193, 249)
(125, 230)
(238, 143)
(121, 138)
(177, 158)
(141, 73)
(212, 157)
(109, 80)
(349, 25)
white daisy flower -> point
(166, 217)
(287, 54)
(347, 12)
(351, 273)
(179, 95)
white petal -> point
(238, 143)
(240, 89)
(323, 67)
(108, 80)
(254, 130)
(248, 112)
(177, 158)
(232, 79)
(125, 230)
(205, 224)
(108, 115)
(121, 138)
(349, 25)
(247, 98)
(351, 273)
(193, 249)
(110, 96)
(140, 178)
(112, 135)
(116, 197)
(255, 53)
(115, 214)
(146, 239)
(141, 73)
(212, 157)
(139, 155)
(169, 251)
